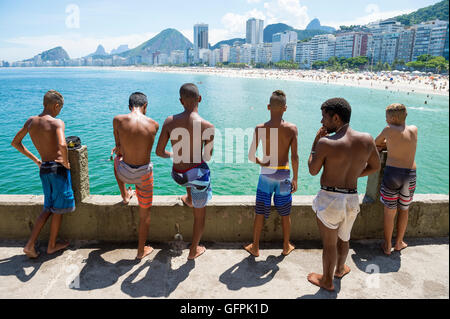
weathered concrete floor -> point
(104, 270)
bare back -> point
(346, 157)
(401, 142)
(44, 131)
(195, 125)
(286, 133)
(135, 134)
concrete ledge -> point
(229, 219)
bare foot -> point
(58, 247)
(289, 250)
(401, 246)
(341, 274)
(198, 252)
(186, 201)
(316, 279)
(31, 252)
(386, 249)
(252, 250)
(147, 251)
(129, 196)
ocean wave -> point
(426, 109)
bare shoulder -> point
(413, 128)
(207, 124)
(119, 118)
(291, 127)
(153, 123)
(59, 123)
(363, 137)
(259, 126)
(168, 120)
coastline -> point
(400, 83)
(410, 83)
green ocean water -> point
(94, 96)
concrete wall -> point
(229, 218)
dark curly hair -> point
(340, 107)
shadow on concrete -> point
(160, 279)
(17, 265)
(370, 258)
(325, 294)
(99, 273)
(251, 273)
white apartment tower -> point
(255, 31)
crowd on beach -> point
(342, 155)
(412, 82)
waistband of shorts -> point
(136, 167)
(51, 163)
(187, 170)
(401, 170)
(272, 170)
(52, 168)
(339, 190)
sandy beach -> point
(391, 81)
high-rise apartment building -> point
(279, 41)
(431, 38)
(303, 54)
(405, 44)
(224, 53)
(200, 39)
(255, 31)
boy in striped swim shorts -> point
(278, 137)
(399, 180)
(134, 134)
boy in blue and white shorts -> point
(278, 137)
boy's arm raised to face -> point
(318, 153)
(294, 159)
(163, 140)
(17, 143)
(62, 145)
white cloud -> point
(373, 14)
(290, 12)
(75, 44)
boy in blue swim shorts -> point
(47, 135)
(278, 137)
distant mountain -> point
(315, 25)
(271, 29)
(433, 12)
(120, 49)
(229, 42)
(54, 54)
(100, 50)
(165, 42)
(99, 53)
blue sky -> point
(30, 27)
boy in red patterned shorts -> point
(399, 181)
(134, 134)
